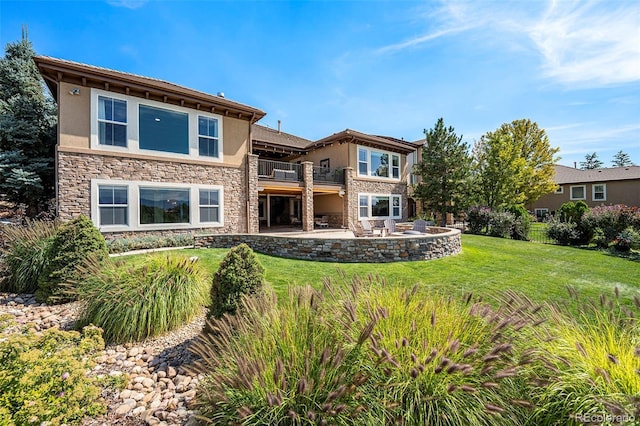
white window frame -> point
(113, 185)
(100, 120)
(369, 206)
(200, 206)
(604, 191)
(133, 128)
(216, 138)
(560, 190)
(369, 174)
(133, 198)
(543, 212)
(584, 192)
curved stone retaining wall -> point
(362, 250)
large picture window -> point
(207, 136)
(159, 205)
(113, 204)
(112, 121)
(163, 130)
(375, 163)
(578, 192)
(378, 206)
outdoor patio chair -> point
(359, 231)
(390, 224)
(366, 225)
(323, 222)
(419, 227)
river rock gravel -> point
(159, 389)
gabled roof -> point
(566, 174)
(56, 70)
(383, 142)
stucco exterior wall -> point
(618, 192)
(336, 153)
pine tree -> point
(27, 130)
(444, 169)
(621, 159)
(591, 162)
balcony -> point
(328, 176)
(280, 171)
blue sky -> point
(380, 67)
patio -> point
(340, 245)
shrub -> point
(563, 233)
(478, 219)
(501, 224)
(366, 353)
(74, 242)
(627, 239)
(43, 377)
(121, 245)
(522, 223)
(131, 302)
(594, 359)
(239, 273)
(24, 255)
(573, 212)
(612, 220)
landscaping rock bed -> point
(159, 388)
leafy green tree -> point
(590, 162)
(621, 159)
(445, 171)
(513, 165)
(27, 130)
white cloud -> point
(589, 43)
(417, 41)
(129, 4)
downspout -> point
(249, 151)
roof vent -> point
(221, 94)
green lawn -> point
(486, 267)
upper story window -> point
(112, 121)
(599, 192)
(578, 192)
(135, 125)
(163, 130)
(207, 136)
(378, 163)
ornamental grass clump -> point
(24, 254)
(364, 353)
(43, 377)
(133, 301)
(592, 364)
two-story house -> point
(142, 155)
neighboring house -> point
(138, 154)
(615, 185)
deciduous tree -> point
(27, 130)
(513, 165)
(444, 168)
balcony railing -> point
(325, 175)
(279, 170)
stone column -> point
(350, 200)
(253, 221)
(307, 196)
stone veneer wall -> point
(76, 170)
(358, 186)
(362, 250)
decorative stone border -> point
(394, 248)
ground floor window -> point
(373, 206)
(541, 214)
(134, 205)
(599, 192)
(578, 192)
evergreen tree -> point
(590, 162)
(444, 170)
(621, 159)
(27, 130)
(513, 165)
